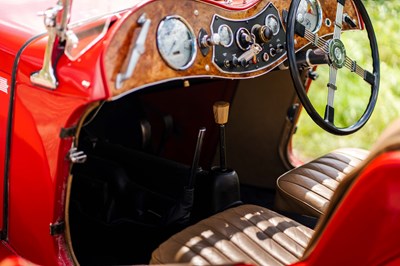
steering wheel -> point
(334, 52)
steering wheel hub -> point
(337, 53)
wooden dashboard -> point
(210, 57)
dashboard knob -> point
(262, 33)
(212, 40)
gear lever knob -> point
(221, 112)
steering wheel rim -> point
(327, 122)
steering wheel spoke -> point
(316, 40)
(339, 19)
(332, 84)
(357, 69)
(329, 110)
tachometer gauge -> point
(225, 35)
(309, 15)
(176, 42)
(272, 22)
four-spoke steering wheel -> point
(335, 53)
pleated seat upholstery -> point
(248, 234)
(308, 189)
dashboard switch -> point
(265, 57)
(279, 48)
(227, 63)
(272, 52)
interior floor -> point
(138, 187)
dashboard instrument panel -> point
(264, 28)
(200, 39)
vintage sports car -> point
(144, 131)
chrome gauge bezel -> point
(230, 33)
(272, 16)
(320, 18)
(319, 15)
(192, 43)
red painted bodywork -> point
(365, 229)
(39, 169)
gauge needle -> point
(172, 47)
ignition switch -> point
(244, 39)
(248, 56)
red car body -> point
(35, 144)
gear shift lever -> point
(221, 112)
(225, 181)
(219, 189)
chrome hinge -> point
(76, 156)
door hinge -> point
(67, 132)
(76, 156)
(57, 228)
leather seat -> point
(308, 189)
(247, 233)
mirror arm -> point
(56, 20)
(63, 18)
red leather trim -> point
(365, 230)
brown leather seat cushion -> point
(247, 233)
(308, 189)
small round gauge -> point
(309, 15)
(176, 42)
(272, 22)
(225, 35)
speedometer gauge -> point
(176, 42)
(309, 15)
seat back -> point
(362, 222)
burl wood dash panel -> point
(151, 68)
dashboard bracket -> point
(137, 51)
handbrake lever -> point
(196, 157)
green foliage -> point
(352, 95)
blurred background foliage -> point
(352, 95)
